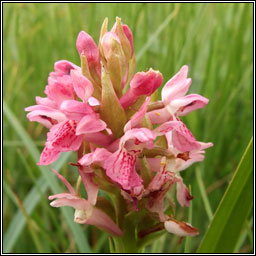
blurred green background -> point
(215, 40)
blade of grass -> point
(188, 242)
(249, 232)
(51, 180)
(242, 238)
(100, 243)
(158, 245)
(157, 32)
(31, 224)
(206, 202)
(233, 209)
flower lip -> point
(180, 228)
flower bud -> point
(125, 36)
(143, 83)
(113, 59)
(126, 39)
(86, 45)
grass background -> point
(215, 40)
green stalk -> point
(204, 194)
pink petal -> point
(136, 139)
(75, 110)
(93, 101)
(48, 156)
(45, 115)
(177, 86)
(189, 103)
(107, 43)
(120, 167)
(167, 127)
(78, 203)
(62, 195)
(129, 36)
(67, 184)
(59, 89)
(46, 102)
(114, 146)
(159, 116)
(183, 139)
(143, 83)
(98, 156)
(160, 179)
(63, 137)
(180, 228)
(103, 221)
(82, 86)
(137, 118)
(63, 67)
(205, 145)
(194, 157)
(86, 45)
(157, 189)
(91, 188)
(44, 120)
(99, 138)
(183, 195)
(90, 124)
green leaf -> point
(231, 214)
(34, 196)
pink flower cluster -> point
(127, 143)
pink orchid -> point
(120, 166)
(67, 118)
(59, 89)
(63, 86)
(67, 136)
(85, 212)
(158, 187)
(175, 103)
(135, 147)
(86, 172)
(61, 137)
(193, 157)
(182, 194)
(163, 180)
(143, 83)
(180, 137)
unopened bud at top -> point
(110, 44)
(125, 36)
(86, 45)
